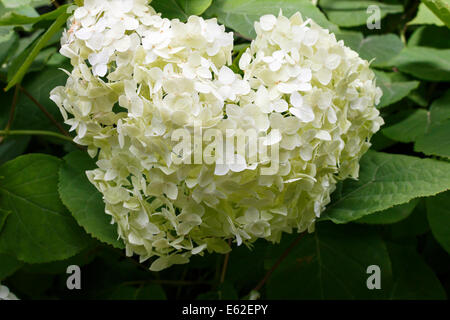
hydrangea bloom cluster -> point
(137, 78)
(5, 294)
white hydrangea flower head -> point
(138, 78)
(5, 294)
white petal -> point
(323, 135)
(80, 13)
(332, 61)
(324, 76)
(296, 100)
(304, 113)
(84, 34)
(280, 105)
(221, 169)
(267, 22)
(245, 61)
(226, 75)
(238, 164)
(123, 44)
(100, 70)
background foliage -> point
(396, 216)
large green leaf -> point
(424, 63)
(413, 278)
(426, 16)
(440, 8)
(391, 215)
(351, 13)
(394, 89)
(40, 44)
(438, 212)
(241, 15)
(39, 84)
(194, 7)
(13, 18)
(39, 228)
(170, 9)
(430, 36)
(436, 140)
(414, 225)
(409, 129)
(331, 263)
(8, 265)
(84, 200)
(7, 40)
(381, 48)
(144, 292)
(386, 180)
(180, 9)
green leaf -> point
(386, 180)
(13, 146)
(28, 115)
(391, 215)
(84, 201)
(382, 48)
(20, 3)
(7, 40)
(3, 216)
(351, 13)
(440, 8)
(13, 18)
(60, 267)
(426, 16)
(194, 7)
(180, 9)
(170, 9)
(409, 129)
(393, 89)
(435, 141)
(225, 291)
(430, 36)
(424, 63)
(143, 292)
(39, 228)
(331, 263)
(413, 278)
(41, 43)
(351, 39)
(8, 265)
(414, 225)
(438, 212)
(241, 15)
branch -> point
(34, 132)
(225, 264)
(12, 111)
(277, 263)
(47, 114)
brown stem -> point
(277, 263)
(55, 3)
(47, 114)
(12, 111)
(225, 264)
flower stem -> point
(278, 262)
(34, 132)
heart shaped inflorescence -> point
(157, 102)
